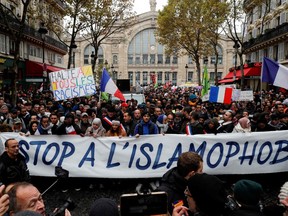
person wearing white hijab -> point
(96, 130)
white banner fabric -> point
(152, 155)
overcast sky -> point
(142, 6)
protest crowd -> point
(165, 111)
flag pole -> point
(261, 83)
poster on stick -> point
(71, 83)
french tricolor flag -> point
(274, 73)
(220, 94)
(107, 85)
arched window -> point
(115, 59)
(144, 49)
(89, 51)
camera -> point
(144, 202)
(69, 204)
(61, 173)
(231, 204)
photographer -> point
(25, 196)
(175, 180)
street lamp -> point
(92, 57)
(43, 31)
(186, 67)
(112, 70)
(73, 46)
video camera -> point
(69, 204)
(144, 202)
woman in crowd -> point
(33, 127)
(96, 130)
(116, 129)
(243, 126)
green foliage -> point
(185, 27)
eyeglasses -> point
(186, 193)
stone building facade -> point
(136, 55)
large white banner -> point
(152, 156)
(71, 83)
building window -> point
(2, 43)
(144, 45)
(35, 51)
(11, 47)
(130, 59)
(220, 56)
(167, 60)
(219, 75)
(130, 75)
(286, 50)
(174, 78)
(275, 53)
(60, 59)
(167, 76)
(115, 59)
(89, 51)
(190, 76)
(175, 60)
(152, 58)
(212, 76)
(190, 60)
(160, 59)
(51, 57)
(138, 76)
(145, 77)
(137, 59)
(159, 77)
(145, 58)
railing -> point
(268, 35)
(31, 32)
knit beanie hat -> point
(283, 191)
(192, 96)
(104, 207)
(247, 192)
(115, 122)
(208, 193)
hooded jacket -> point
(174, 185)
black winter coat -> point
(174, 185)
(248, 211)
(13, 170)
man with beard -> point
(128, 124)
